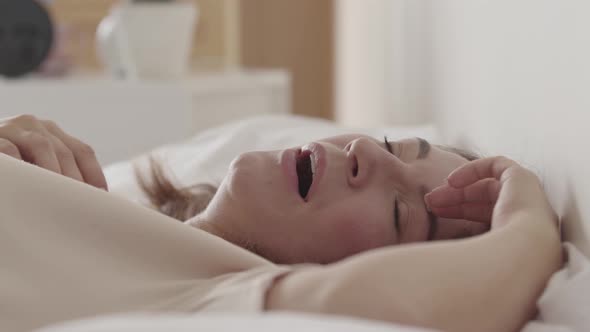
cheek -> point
(441, 164)
(358, 231)
(255, 178)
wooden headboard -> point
(513, 78)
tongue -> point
(304, 173)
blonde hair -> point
(178, 202)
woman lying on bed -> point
(328, 202)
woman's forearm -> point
(486, 283)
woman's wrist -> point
(539, 236)
(538, 225)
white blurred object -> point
(123, 118)
(381, 62)
(148, 40)
(564, 305)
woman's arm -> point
(487, 283)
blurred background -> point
(332, 50)
(295, 36)
(173, 68)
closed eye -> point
(395, 202)
(388, 145)
(396, 215)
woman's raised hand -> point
(492, 189)
(44, 144)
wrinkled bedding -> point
(229, 322)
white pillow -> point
(205, 157)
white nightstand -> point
(121, 119)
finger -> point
(479, 169)
(6, 147)
(66, 159)
(483, 191)
(475, 228)
(35, 148)
(84, 155)
(459, 229)
(478, 212)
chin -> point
(247, 165)
(243, 160)
(242, 169)
(252, 174)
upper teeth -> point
(313, 163)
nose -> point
(361, 155)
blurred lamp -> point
(26, 36)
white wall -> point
(379, 73)
(513, 77)
(507, 77)
(118, 119)
(359, 55)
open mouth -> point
(305, 165)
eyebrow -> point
(423, 148)
(432, 218)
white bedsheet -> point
(279, 322)
(565, 304)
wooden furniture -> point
(291, 35)
(124, 118)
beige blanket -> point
(68, 251)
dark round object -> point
(26, 36)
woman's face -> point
(361, 196)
